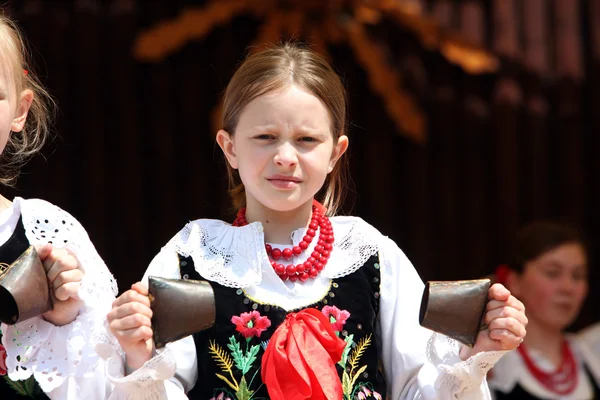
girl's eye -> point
(552, 273)
(264, 137)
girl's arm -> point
(170, 372)
(417, 363)
(62, 358)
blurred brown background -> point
(468, 118)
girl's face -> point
(553, 286)
(283, 148)
(13, 106)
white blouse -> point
(62, 359)
(511, 370)
(417, 364)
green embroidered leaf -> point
(346, 385)
(17, 386)
(236, 353)
(32, 387)
(349, 340)
(244, 393)
(250, 358)
(355, 377)
(227, 381)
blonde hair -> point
(276, 68)
(24, 144)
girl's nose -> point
(568, 284)
(286, 155)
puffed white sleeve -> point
(171, 372)
(419, 364)
(588, 341)
(62, 359)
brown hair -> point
(540, 237)
(276, 68)
(22, 145)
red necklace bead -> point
(562, 381)
(318, 258)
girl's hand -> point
(64, 279)
(129, 322)
(506, 322)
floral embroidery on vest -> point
(248, 325)
(350, 361)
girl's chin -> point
(285, 205)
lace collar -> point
(235, 256)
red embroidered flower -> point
(336, 316)
(2, 360)
(251, 324)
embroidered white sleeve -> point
(37, 347)
(416, 363)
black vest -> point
(230, 364)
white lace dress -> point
(62, 359)
(417, 364)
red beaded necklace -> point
(562, 381)
(318, 258)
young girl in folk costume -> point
(54, 347)
(550, 275)
(309, 305)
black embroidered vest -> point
(229, 364)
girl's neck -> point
(278, 225)
(4, 203)
(545, 339)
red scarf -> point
(299, 362)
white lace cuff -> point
(146, 382)
(456, 379)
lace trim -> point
(144, 383)
(462, 379)
(221, 253)
(233, 256)
(38, 347)
(359, 241)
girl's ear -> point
(226, 144)
(339, 149)
(23, 108)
